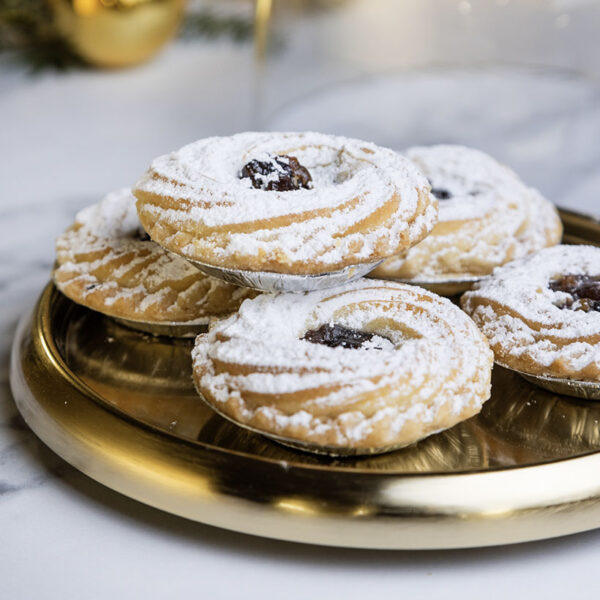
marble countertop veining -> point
(65, 141)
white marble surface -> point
(65, 140)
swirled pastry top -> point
(106, 262)
(407, 363)
(363, 203)
(539, 313)
(487, 217)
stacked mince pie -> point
(334, 362)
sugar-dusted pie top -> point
(487, 217)
(106, 261)
(425, 367)
(364, 202)
(529, 325)
(472, 178)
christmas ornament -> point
(116, 33)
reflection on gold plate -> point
(120, 406)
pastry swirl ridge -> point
(107, 263)
(364, 203)
(533, 328)
(426, 368)
(487, 218)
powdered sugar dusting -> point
(226, 218)
(256, 366)
(492, 217)
(522, 318)
(104, 263)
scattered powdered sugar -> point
(255, 366)
(104, 262)
(352, 180)
(490, 218)
(472, 177)
(522, 318)
(112, 218)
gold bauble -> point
(117, 33)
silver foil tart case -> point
(443, 287)
(269, 281)
(587, 390)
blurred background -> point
(92, 90)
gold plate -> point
(120, 406)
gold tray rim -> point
(312, 503)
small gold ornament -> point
(117, 33)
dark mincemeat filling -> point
(289, 174)
(338, 335)
(584, 291)
(441, 193)
(444, 194)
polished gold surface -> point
(120, 406)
